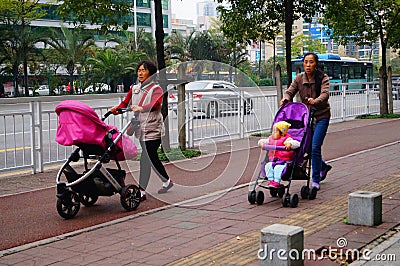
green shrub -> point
(175, 154)
(266, 82)
(378, 116)
(261, 134)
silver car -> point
(213, 98)
(42, 90)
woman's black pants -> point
(149, 159)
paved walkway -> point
(223, 228)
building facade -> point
(143, 16)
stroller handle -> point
(124, 110)
(106, 115)
(273, 147)
(119, 110)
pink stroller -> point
(301, 129)
(80, 125)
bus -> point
(340, 70)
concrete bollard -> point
(281, 244)
(365, 208)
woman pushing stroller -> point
(145, 99)
(313, 88)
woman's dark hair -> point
(313, 54)
(319, 75)
(148, 65)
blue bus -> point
(340, 70)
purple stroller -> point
(298, 115)
(79, 125)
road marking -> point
(14, 173)
(16, 149)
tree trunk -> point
(390, 90)
(71, 83)
(288, 38)
(161, 66)
(15, 74)
(26, 78)
(278, 78)
(383, 75)
(181, 110)
(70, 70)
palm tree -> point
(18, 39)
(178, 47)
(143, 49)
(145, 42)
(71, 46)
(111, 65)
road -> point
(31, 216)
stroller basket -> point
(96, 184)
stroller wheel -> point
(281, 191)
(286, 200)
(273, 192)
(251, 197)
(260, 197)
(313, 193)
(294, 201)
(68, 205)
(130, 197)
(88, 200)
(305, 191)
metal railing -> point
(27, 135)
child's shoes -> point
(273, 184)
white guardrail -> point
(28, 125)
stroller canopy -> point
(297, 114)
(79, 124)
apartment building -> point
(143, 16)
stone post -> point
(281, 245)
(365, 208)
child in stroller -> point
(300, 130)
(80, 125)
(278, 159)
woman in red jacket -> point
(145, 99)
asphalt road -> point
(31, 216)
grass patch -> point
(174, 154)
(261, 134)
(378, 116)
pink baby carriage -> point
(80, 125)
(298, 115)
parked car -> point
(42, 90)
(213, 98)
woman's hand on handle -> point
(136, 108)
(311, 101)
(114, 110)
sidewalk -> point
(222, 228)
